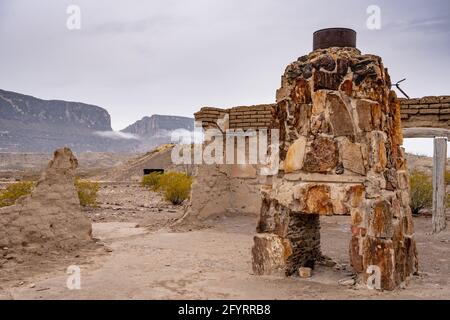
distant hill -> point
(155, 130)
(29, 124)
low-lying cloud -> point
(117, 135)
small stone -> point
(347, 282)
(304, 272)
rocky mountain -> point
(155, 130)
(158, 124)
(29, 124)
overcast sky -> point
(143, 57)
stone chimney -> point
(340, 154)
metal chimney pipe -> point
(334, 37)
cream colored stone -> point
(295, 155)
(304, 272)
(318, 100)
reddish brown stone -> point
(356, 195)
(376, 116)
(356, 260)
(301, 93)
(318, 200)
(380, 221)
(347, 87)
(357, 217)
(342, 67)
(379, 252)
(322, 155)
(358, 231)
(326, 62)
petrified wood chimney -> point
(340, 153)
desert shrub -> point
(152, 180)
(421, 191)
(176, 186)
(14, 191)
(87, 192)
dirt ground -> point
(143, 259)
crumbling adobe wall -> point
(228, 188)
(50, 219)
(223, 190)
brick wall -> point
(417, 112)
(242, 117)
(426, 112)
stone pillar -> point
(340, 153)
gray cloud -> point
(136, 58)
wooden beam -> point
(439, 195)
(425, 132)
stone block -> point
(380, 220)
(268, 254)
(322, 155)
(295, 155)
(351, 156)
(318, 200)
(340, 118)
(304, 272)
(379, 253)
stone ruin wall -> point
(373, 191)
(431, 111)
(340, 153)
(236, 187)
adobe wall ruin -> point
(49, 220)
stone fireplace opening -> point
(340, 154)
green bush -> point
(421, 191)
(176, 186)
(151, 180)
(14, 191)
(87, 192)
(447, 178)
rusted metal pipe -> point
(334, 37)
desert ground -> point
(140, 257)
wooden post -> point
(439, 195)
